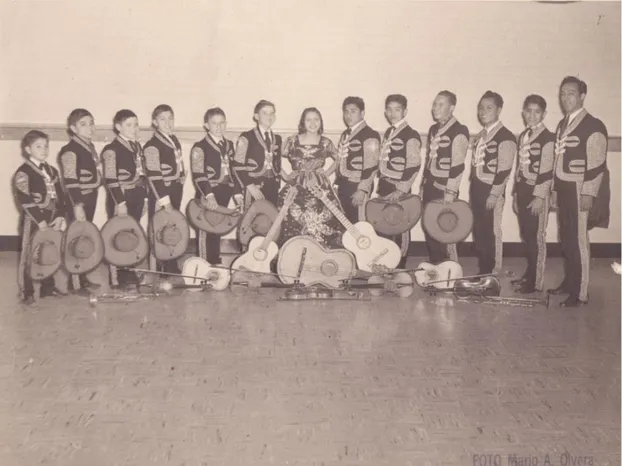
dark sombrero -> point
(257, 220)
(393, 218)
(219, 221)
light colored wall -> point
(106, 55)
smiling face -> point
(128, 128)
(533, 115)
(570, 98)
(165, 122)
(217, 125)
(488, 112)
(312, 122)
(266, 116)
(395, 112)
(84, 128)
(442, 109)
(38, 149)
(352, 115)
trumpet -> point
(122, 298)
(506, 301)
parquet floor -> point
(227, 379)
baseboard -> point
(416, 249)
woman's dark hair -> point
(75, 116)
(305, 112)
(120, 117)
(30, 137)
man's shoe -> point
(526, 289)
(83, 292)
(561, 289)
(519, 281)
(28, 300)
(91, 286)
(572, 301)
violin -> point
(400, 284)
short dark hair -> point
(535, 99)
(213, 112)
(574, 80)
(301, 123)
(359, 102)
(453, 100)
(497, 99)
(75, 116)
(30, 137)
(161, 109)
(261, 104)
(397, 98)
(120, 117)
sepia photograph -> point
(310, 233)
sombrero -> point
(125, 242)
(257, 220)
(45, 254)
(393, 218)
(170, 234)
(448, 223)
(83, 247)
(219, 221)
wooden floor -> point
(240, 379)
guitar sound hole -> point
(260, 254)
(363, 242)
(329, 268)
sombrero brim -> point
(434, 221)
(40, 272)
(161, 219)
(120, 258)
(219, 222)
(75, 264)
(246, 231)
(377, 213)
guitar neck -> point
(336, 211)
(271, 235)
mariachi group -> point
(297, 222)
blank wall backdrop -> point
(106, 55)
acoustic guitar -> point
(262, 249)
(361, 239)
(197, 271)
(304, 260)
(438, 276)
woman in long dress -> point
(307, 153)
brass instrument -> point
(122, 298)
(487, 290)
(500, 300)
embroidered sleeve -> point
(241, 149)
(596, 154)
(69, 166)
(199, 175)
(505, 160)
(154, 173)
(21, 184)
(332, 152)
(371, 157)
(459, 147)
(544, 180)
(109, 158)
(413, 163)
